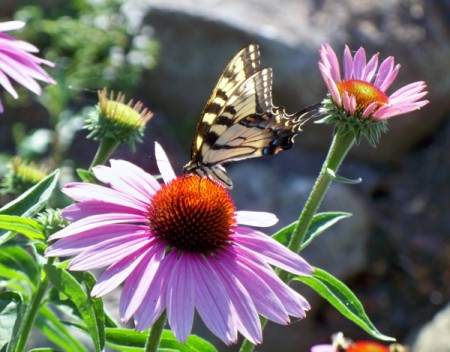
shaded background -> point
(394, 251)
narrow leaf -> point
(343, 299)
(86, 176)
(11, 311)
(67, 284)
(341, 179)
(27, 227)
(51, 326)
(319, 223)
(322, 222)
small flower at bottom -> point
(179, 247)
(18, 62)
(358, 99)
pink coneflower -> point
(17, 62)
(355, 92)
(178, 247)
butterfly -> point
(239, 120)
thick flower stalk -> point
(178, 247)
(19, 64)
(358, 99)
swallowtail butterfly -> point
(239, 120)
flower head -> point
(22, 176)
(117, 120)
(358, 97)
(18, 62)
(179, 247)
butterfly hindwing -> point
(239, 120)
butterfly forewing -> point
(239, 120)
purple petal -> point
(247, 317)
(389, 79)
(213, 303)
(11, 26)
(154, 301)
(369, 109)
(334, 63)
(95, 221)
(109, 252)
(323, 348)
(79, 242)
(359, 63)
(348, 63)
(164, 165)
(266, 301)
(16, 71)
(118, 272)
(411, 88)
(294, 303)
(180, 298)
(253, 218)
(5, 83)
(272, 251)
(146, 181)
(83, 192)
(137, 285)
(385, 69)
(371, 68)
(79, 211)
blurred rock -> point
(197, 40)
(434, 336)
(285, 193)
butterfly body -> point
(239, 120)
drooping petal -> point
(82, 210)
(118, 272)
(154, 301)
(266, 301)
(213, 303)
(254, 218)
(11, 26)
(137, 285)
(274, 252)
(180, 297)
(97, 221)
(83, 192)
(245, 310)
(80, 242)
(109, 252)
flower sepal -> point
(346, 123)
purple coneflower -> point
(17, 62)
(355, 92)
(178, 247)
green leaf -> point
(29, 203)
(45, 349)
(11, 311)
(322, 222)
(17, 264)
(67, 284)
(128, 340)
(86, 176)
(319, 223)
(27, 227)
(343, 299)
(341, 179)
(51, 326)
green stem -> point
(31, 312)
(342, 142)
(105, 149)
(154, 337)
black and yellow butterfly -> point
(239, 120)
